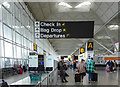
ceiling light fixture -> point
(79, 44)
(6, 4)
(28, 26)
(87, 3)
(113, 27)
(103, 37)
(65, 4)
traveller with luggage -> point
(107, 68)
(91, 70)
(61, 71)
(82, 69)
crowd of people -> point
(82, 68)
(18, 69)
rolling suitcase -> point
(94, 77)
(77, 77)
(21, 71)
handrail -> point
(46, 76)
(52, 71)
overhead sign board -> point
(90, 46)
(82, 50)
(52, 29)
(111, 58)
(72, 56)
(35, 46)
(44, 52)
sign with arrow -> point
(64, 29)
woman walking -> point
(82, 69)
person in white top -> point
(82, 69)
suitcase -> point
(21, 71)
(77, 77)
(94, 76)
(108, 70)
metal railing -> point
(49, 79)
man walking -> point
(90, 68)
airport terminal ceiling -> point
(104, 14)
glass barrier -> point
(50, 79)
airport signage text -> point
(35, 46)
(52, 29)
(82, 50)
(90, 46)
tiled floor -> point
(16, 78)
(104, 78)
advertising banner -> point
(117, 46)
(49, 62)
(33, 61)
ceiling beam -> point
(42, 10)
(103, 46)
(107, 22)
(110, 38)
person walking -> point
(61, 68)
(74, 65)
(90, 68)
(82, 69)
(115, 66)
(70, 64)
(111, 64)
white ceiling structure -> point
(102, 13)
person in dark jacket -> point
(62, 71)
(74, 65)
(111, 64)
